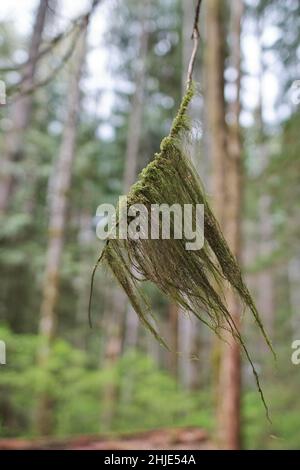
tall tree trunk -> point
(294, 294)
(188, 328)
(21, 113)
(229, 432)
(133, 147)
(116, 327)
(216, 130)
(173, 323)
(137, 106)
(265, 279)
(214, 56)
(225, 151)
(57, 224)
(86, 238)
(113, 348)
(265, 299)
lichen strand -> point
(192, 279)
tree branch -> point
(54, 42)
(80, 22)
(195, 37)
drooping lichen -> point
(192, 279)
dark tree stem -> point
(195, 37)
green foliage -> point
(75, 377)
(77, 389)
(156, 400)
(283, 432)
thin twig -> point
(47, 48)
(92, 287)
(195, 37)
(29, 91)
(45, 81)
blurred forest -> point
(91, 90)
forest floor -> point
(160, 439)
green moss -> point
(192, 279)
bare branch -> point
(43, 82)
(195, 37)
(54, 41)
(81, 21)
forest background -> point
(91, 89)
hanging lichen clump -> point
(193, 279)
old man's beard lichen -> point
(194, 280)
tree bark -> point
(133, 147)
(216, 133)
(86, 238)
(173, 321)
(214, 56)
(187, 328)
(265, 279)
(57, 224)
(225, 151)
(117, 329)
(21, 113)
(230, 361)
(265, 299)
(113, 349)
(294, 294)
(137, 107)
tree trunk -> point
(187, 327)
(265, 299)
(265, 279)
(86, 238)
(113, 349)
(57, 223)
(294, 294)
(137, 107)
(230, 360)
(133, 147)
(217, 131)
(116, 327)
(173, 321)
(21, 113)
